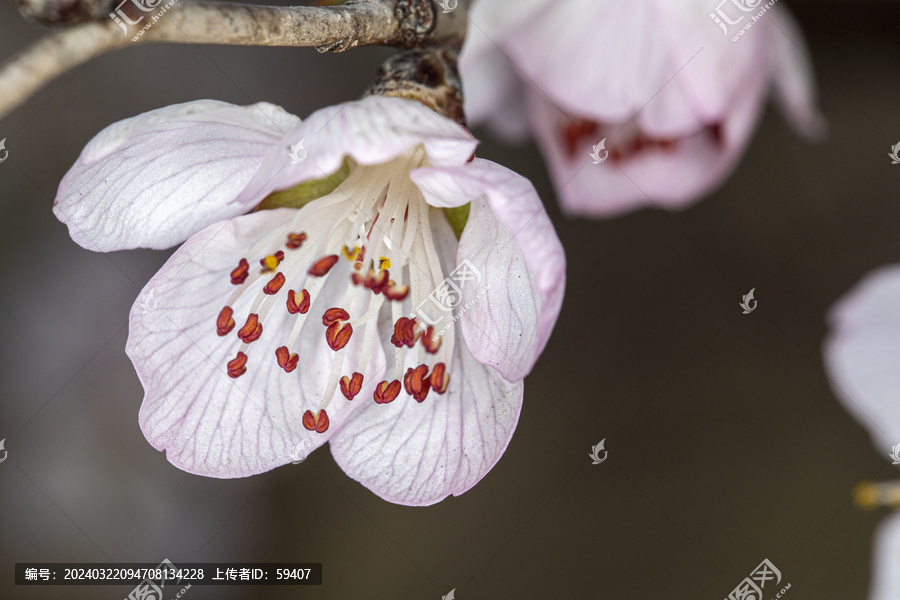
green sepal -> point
(457, 216)
(303, 193)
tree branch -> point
(402, 23)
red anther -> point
(440, 378)
(286, 360)
(295, 240)
(239, 275)
(392, 291)
(333, 315)
(350, 387)
(405, 333)
(386, 392)
(362, 251)
(316, 422)
(417, 383)
(380, 281)
(358, 278)
(225, 323)
(274, 284)
(430, 341)
(321, 267)
(406, 378)
(251, 330)
(236, 366)
(297, 303)
(337, 336)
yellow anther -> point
(350, 254)
(271, 262)
(384, 263)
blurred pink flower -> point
(273, 332)
(674, 99)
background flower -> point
(673, 100)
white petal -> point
(862, 354)
(885, 567)
(156, 179)
(207, 422)
(371, 131)
(511, 230)
(795, 86)
(418, 454)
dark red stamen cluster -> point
(239, 274)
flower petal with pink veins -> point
(862, 354)
(510, 238)
(207, 422)
(418, 454)
(371, 131)
(154, 180)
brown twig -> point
(402, 23)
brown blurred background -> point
(726, 444)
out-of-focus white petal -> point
(795, 85)
(156, 179)
(885, 570)
(862, 355)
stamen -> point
(239, 274)
(349, 254)
(274, 284)
(338, 336)
(236, 366)
(351, 387)
(430, 341)
(286, 360)
(333, 315)
(271, 262)
(392, 291)
(224, 324)
(384, 263)
(440, 378)
(385, 392)
(405, 333)
(321, 267)
(318, 422)
(295, 240)
(416, 382)
(298, 303)
(251, 330)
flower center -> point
(378, 224)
